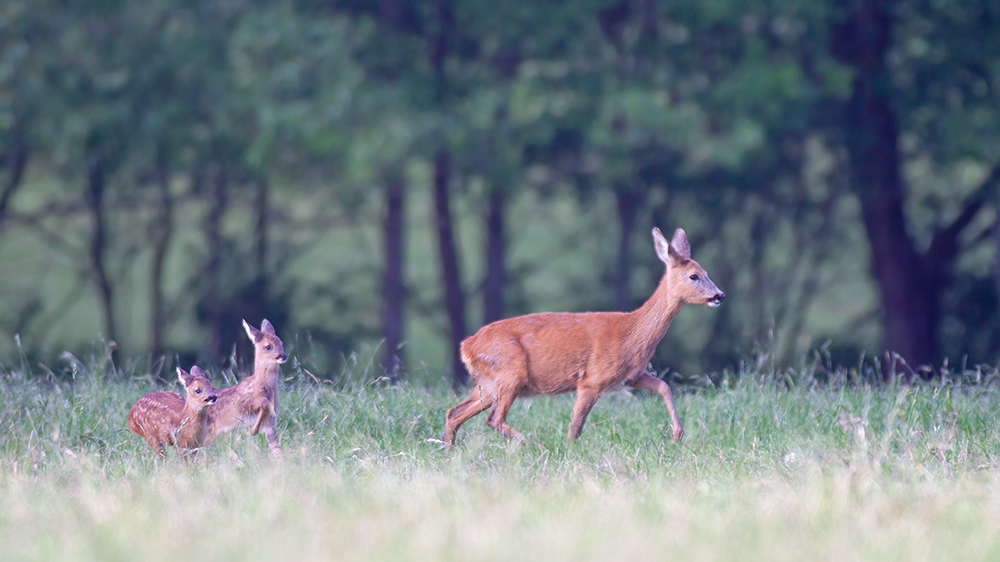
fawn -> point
(589, 352)
(165, 418)
(254, 401)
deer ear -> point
(197, 371)
(663, 250)
(680, 246)
(184, 376)
(266, 327)
(252, 333)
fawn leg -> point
(271, 433)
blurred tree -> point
(392, 17)
(911, 280)
(443, 33)
(210, 158)
(393, 287)
(17, 62)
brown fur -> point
(254, 401)
(591, 352)
(165, 418)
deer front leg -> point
(585, 400)
(158, 448)
(649, 382)
(263, 409)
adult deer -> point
(165, 418)
(589, 352)
(254, 401)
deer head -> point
(200, 392)
(267, 346)
(688, 280)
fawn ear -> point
(266, 327)
(252, 333)
(184, 376)
(197, 371)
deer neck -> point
(649, 322)
(266, 372)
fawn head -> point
(687, 278)
(267, 346)
(200, 392)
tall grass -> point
(775, 466)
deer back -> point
(155, 417)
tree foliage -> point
(167, 168)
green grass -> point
(769, 470)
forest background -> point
(379, 178)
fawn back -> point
(254, 401)
(590, 353)
(165, 418)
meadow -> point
(797, 464)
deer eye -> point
(268, 347)
(694, 277)
(197, 391)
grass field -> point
(772, 468)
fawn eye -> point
(197, 391)
(268, 347)
(694, 277)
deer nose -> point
(720, 297)
(212, 399)
(282, 358)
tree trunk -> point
(98, 247)
(262, 280)
(909, 301)
(213, 265)
(162, 234)
(647, 21)
(994, 349)
(996, 257)
(496, 272)
(393, 288)
(629, 201)
(454, 297)
(18, 162)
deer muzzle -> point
(717, 299)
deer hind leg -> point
(271, 434)
(497, 418)
(476, 402)
(585, 400)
